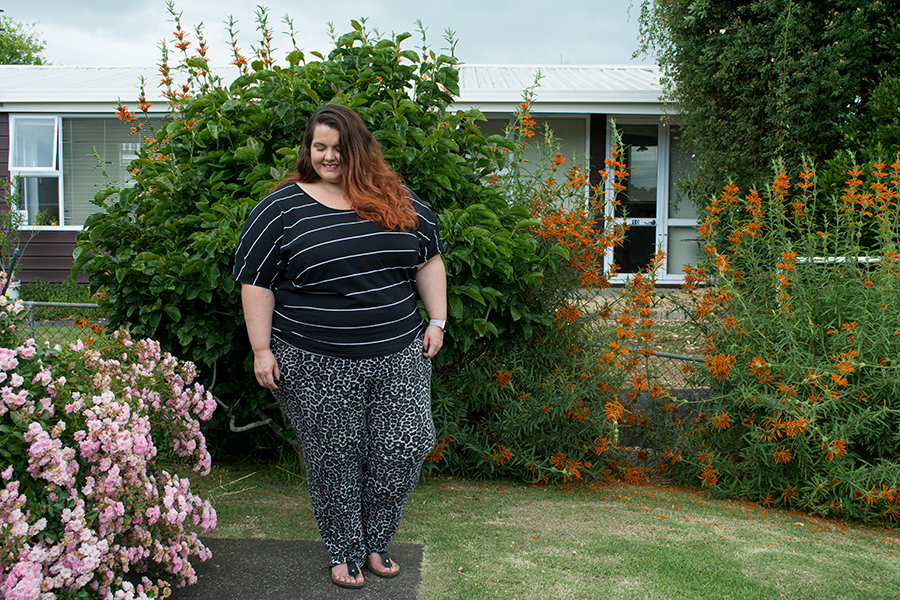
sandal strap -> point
(352, 569)
(385, 560)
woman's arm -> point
(259, 304)
(431, 284)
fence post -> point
(30, 318)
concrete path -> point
(256, 569)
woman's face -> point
(325, 154)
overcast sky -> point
(128, 33)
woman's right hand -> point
(265, 367)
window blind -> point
(92, 147)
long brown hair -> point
(373, 189)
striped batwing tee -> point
(343, 286)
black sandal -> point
(352, 571)
(386, 561)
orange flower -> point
(635, 475)
(836, 448)
(437, 452)
(558, 460)
(782, 455)
(787, 494)
(787, 260)
(573, 469)
(577, 413)
(503, 378)
(708, 476)
(614, 410)
(757, 365)
(722, 421)
(501, 455)
(844, 366)
(720, 365)
(672, 455)
(567, 315)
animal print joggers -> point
(365, 428)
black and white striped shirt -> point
(343, 286)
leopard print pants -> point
(365, 428)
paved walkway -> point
(291, 570)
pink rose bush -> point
(85, 511)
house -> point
(60, 140)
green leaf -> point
(173, 312)
(410, 55)
(471, 291)
(245, 154)
(164, 183)
(198, 63)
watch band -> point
(438, 323)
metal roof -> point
(492, 88)
(486, 86)
(67, 89)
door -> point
(639, 207)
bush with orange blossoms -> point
(560, 392)
(797, 296)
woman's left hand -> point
(434, 339)
(431, 283)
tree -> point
(19, 45)
(756, 80)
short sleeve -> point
(430, 243)
(257, 259)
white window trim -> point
(16, 173)
(34, 171)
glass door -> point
(638, 205)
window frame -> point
(17, 173)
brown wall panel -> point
(47, 255)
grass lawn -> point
(618, 541)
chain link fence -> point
(676, 372)
(61, 322)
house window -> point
(34, 162)
(60, 163)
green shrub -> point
(550, 407)
(69, 291)
(803, 348)
(758, 80)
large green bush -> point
(161, 251)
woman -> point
(331, 265)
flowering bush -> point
(803, 347)
(549, 407)
(83, 504)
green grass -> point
(617, 541)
